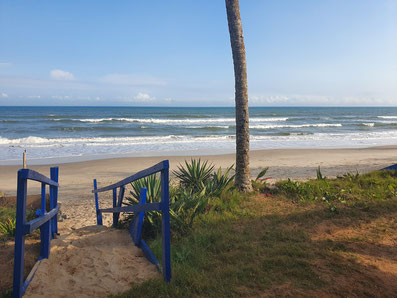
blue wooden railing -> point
(46, 221)
(135, 227)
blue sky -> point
(177, 53)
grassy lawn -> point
(326, 237)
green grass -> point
(7, 221)
(258, 245)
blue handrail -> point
(139, 210)
(47, 222)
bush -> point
(198, 184)
(194, 175)
(7, 228)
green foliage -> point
(187, 201)
(262, 173)
(184, 208)
(7, 228)
(218, 182)
(349, 189)
(319, 174)
(194, 175)
(152, 184)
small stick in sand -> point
(24, 160)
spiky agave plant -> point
(8, 227)
(219, 181)
(152, 183)
(194, 174)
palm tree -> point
(241, 95)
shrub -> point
(218, 182)
(7, 228)
(194, 175)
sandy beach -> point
(76, 177)
(95, 245)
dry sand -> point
(97, 261)
(93, 261)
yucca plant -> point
(319, 174)
(152, 183)
(185, 207)
(194, 174)
(8, 227)
(262, 173)
(219, 181)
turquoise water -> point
(51, 132)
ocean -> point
(84, 133)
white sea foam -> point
(177, 121)
(271, 126)
(369, 124)
(387, 117)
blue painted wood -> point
(392, 167)
(30, 276)
(135, 208)
(154, 169)
(148, 253)
(33, 175)
(119, 201)
(47, 222)
(43, 198)
(98, 213)
(54, 174)
(45, 237)
(135, 227)
(138, 219)
(114, 205)
(37, 222)
(165, 227)
(19, 249)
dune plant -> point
(152, 184)
(194, 174)
(219, 181)
(319, 174)
(7, 228)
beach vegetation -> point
(289, 244)
(188, 199)
(319, 174)
(7, 228)
(194, 175)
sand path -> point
(93, 261)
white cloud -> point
(60, 97)
(58, 74)
(132, 79)
(4, 95)
(143, 97)
(34, 96)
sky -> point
(177, 53)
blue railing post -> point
(19, 237)
(137, 222)
(54, 175)
(165, 227)
(98, 212)
(45, 228)
(135, 227)
(114, 205)
(119, 202)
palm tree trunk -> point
(243, 179)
